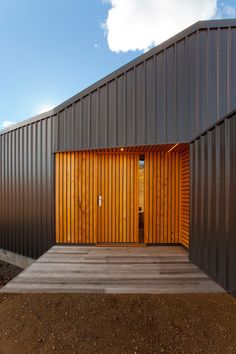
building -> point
(144, 156)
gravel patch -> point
(8, 272)
(97, 323)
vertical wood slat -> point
(78, 201)
(76, 197)
(72, 196)
(147, 234)
(68, 196)
(119, 206)
(57, 195)
(185, 198)
(165, 238)
(166, 197)
(116, 163)
(82, 176)
(136, 201)
(76, 235)
(120, 211)
(64, 169)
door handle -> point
(99, 200)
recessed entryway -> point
(135, 195)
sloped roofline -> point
(208, 24)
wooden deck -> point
(142, 270)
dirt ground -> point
(95, 323)
(7, 272)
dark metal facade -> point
(27, 188)
(172, 95)
(169, 94)
(213, 202)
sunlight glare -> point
(45, 108)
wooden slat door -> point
(118, 188)
(76, 197)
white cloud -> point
(228, 12)
(140, 24)
(7, 123)
(97, 46)
(45, 108)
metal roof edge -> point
(213, 126)
(174, 39)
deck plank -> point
(112, 270)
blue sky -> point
(52, 49)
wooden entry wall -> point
(166, 212)
(184, 197)
(80, 178)
(166, 197)
(76, 197)
(162, 197)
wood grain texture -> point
(162, 197)
(76, 206)
(117, 185)
(151, 270)
(82, 176)
(185, 198)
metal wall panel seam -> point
(80, 124)
(155, 101)
(175, 95)
(229, 68)
(116, 114)
(64, 127)
(197, 81)
(46, 199)
(207, 78)
(227, 198)
(73, 125)
(164, 96)
(97, 116)
(201, 196)
(25, 191)
(217, 215)
(186, 90)
(30, 157)
(144, 101)
(134, 106)
(7, 186)
(106, 115)
(3, 187)
(1, 184)
(218, 46)
(5, 190)
(89, 120)
(125, 108)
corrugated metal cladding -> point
(173, 95)
(213, 203)
(170, 94)
(27, 188)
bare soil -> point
(8, 272)
(96, 323)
